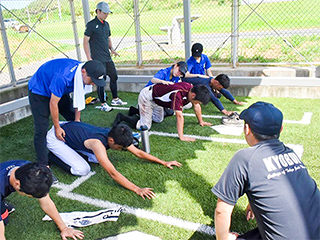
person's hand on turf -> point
(239, 103)
(205, 124)
(146, 193)
(71, 233)
(249, 213)
(227, 113)
(60, 133)
(187, 139)
(172, 163)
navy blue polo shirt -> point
(55, 76)
(195, 67)
(164, 74)
(78, 132)
(99, 33)
(5, 168)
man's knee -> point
(80, 171)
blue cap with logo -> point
(263, 118)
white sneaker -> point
(105, 107)
(118, 102)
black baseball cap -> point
(96, 70)
(183, 67)
(196, 50)
(263, 118)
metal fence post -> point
(86, 11)
(187, 28)
(137, 31)
(235, 32)
(75, 30)
(7, 49)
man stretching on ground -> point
(94, 142)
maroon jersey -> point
(171, 96)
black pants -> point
(112, 73)
(41, 111)
(254, 234)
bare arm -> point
(77, 115)
(191, 75)
(180, 126)
(48, 206)
(54, 110)
(100, 152)
(112, 49)
(157, 80)
(197, 110)
(86, 47)
(222, 220)
(209, 72)
(2, 236)
(141, 154)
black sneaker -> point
(54, 179)
(9, 206)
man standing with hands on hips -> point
(97, 45)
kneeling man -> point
(153, 99)
(94, 142)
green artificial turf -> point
(183, 193)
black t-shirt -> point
(78, 132)
(99, 33)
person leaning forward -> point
(93, 142)
(49, 90)
(153, 99)
(283, 198)
(31, 180)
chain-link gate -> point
(256, 31)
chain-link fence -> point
(266, 31)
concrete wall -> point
(14, 103)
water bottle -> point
(145, 139)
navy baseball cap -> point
(196, 50)
(183, 67)
(263, 118)
(95, 70)
(104, 7)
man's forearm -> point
(197, 111)
(180, 123)
(77, 115)
(54, 111)
(86, 48)
(2, 236)
(48, 206)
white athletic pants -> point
(79, 166)
(149, 110)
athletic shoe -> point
(54, 179)
(105, 107)
(118, 102)
(233, 120)
(9, 206)
(133, 111)
(216, 93)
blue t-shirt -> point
(55, 76)
(198, 68)
(283, 197)
(5, 169)
(164, 74)
(78, 132)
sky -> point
(15, 4)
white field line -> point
(306, 118)
(65, 191)
(296, 147)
